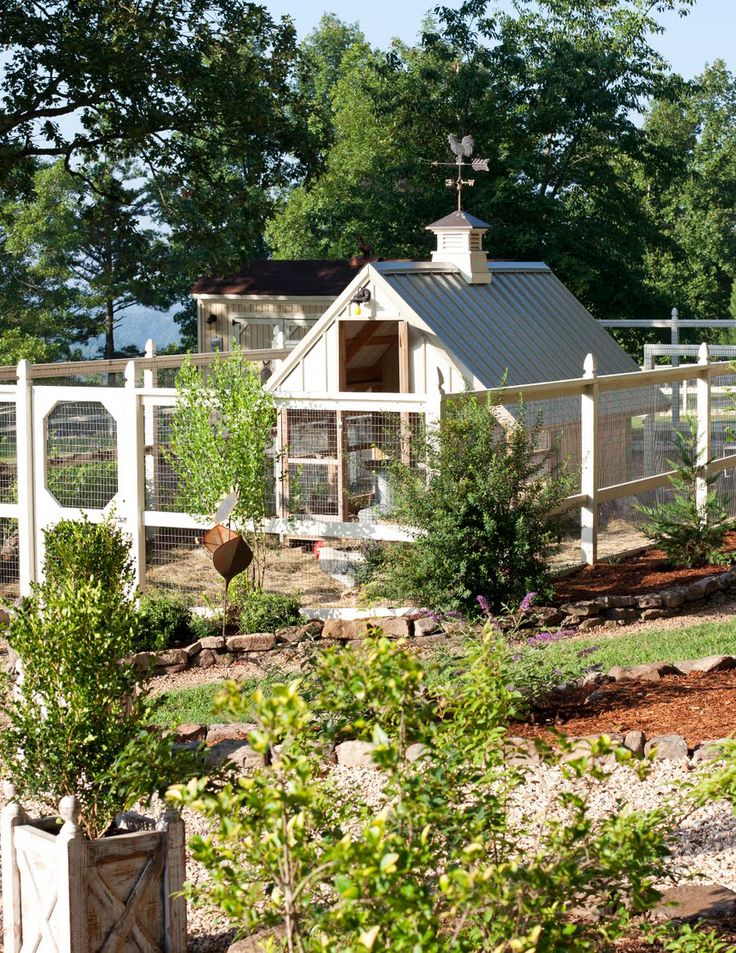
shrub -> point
(440, 865)
(689, 534)
(77, 714)
(80, 549)
(483, 516)
(165, 621)
(263, 611)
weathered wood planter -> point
(63, 893)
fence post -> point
(703, 435)
(132, 474)
(589, 463)
(675, 339)
(24, 458)
(150, 428)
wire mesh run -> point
(9, 564)
(8, 454)
(555, 424)
(311, 467)
(81, 455)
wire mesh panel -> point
(620, 522)
(556, 426)
(81, 454)
(9, 565)
(162, 483)
(312, 472)
(8, 454)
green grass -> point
(197, 704)
(668, 645)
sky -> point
(707, 33)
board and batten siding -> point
(295, 316)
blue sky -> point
(706, 34)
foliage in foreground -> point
(262, 611)
(689, 533)
(78, 713)
(439, 864)
(484, 515)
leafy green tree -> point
(84, 243)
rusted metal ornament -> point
(215, 537)
(232, 557)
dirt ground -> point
(701, 707)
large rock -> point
(298, 633)
(583, 609)
(355, 754)
(708, 751)
(171, 657)
(234, 752)
(697, 902)
(711, 663)
(652, 600)
(191, 732)
(426, 625)
(4, 617)
(595, 622)
(213, 642)
(582, 747)
(235, 731)
(616, 602)
(667, 747)
(194, 649)
(648, 672)
(548, 615)
(635, 742)
(649, 615)
(205, 659)
(393, 627)
(416, 751)
(344, 630)
(622, 615)
(521, 751)
(699, 590)
(673, 598)
(253, 642)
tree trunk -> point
(109, 330)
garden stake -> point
(231, 555)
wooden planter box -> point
(63, 893)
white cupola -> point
(460, 243)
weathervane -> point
(463, 149)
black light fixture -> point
(362, 296)
(211, 318)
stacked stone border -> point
(623, 610)
(257, 646)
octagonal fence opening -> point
(81, 454)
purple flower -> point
(544, 638)
(583, 653)
(454, 614)
(485, 606)
(526, 603)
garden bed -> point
(634, 575)
(700, 707)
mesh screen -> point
(8, 557)
(8, 455)
(635, 433)
(371, 442)
(723, 414)
(81, 455)
(311, 443)
(557, 424)
(620, 522)
(568, 554)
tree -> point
(84, 242)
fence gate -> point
(85, 447)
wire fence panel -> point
(8, 454)
(9, 566)
(81, 455)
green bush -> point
(483, 516)
(82, 550)
(439, 866)
(165, 621)
(689, 535)
(263, 611)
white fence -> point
(614, 432)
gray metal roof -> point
(459, 220)
(525, 324)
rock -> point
(426, 641)
(652, 600)
(253, 642)
(343, 630)
(236, 752)
(591, 679)
(635, 742)
(191, 732)
(144, 660)
(235, 731)
(723, 583)
(596, 696)
(729, 578)
(425, 625)
(171, 657)
(205, 659)
(548, 615)
(672, 598)
(708, 751)
(213, 642)
(355, 754)
(592, 623)
(648, 672)
(581, 747)
(521, 751)
(297, 633)
(668, 747)
(584, 609)
(172, 669)
(258, 942)
(616, 602)
(622, 615)
(696, 591)
(696, 901)
(4, 617)
(648, 615)
(711, 663)
(393, 627)
(194, 649)
(718, 598)
(416, 751)
(712, 584)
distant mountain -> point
(137, 326)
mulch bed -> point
(700, 706)
(635, 575)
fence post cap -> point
(589, 366)
(703, 353)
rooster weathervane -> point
(463, 149)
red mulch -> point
(648, 572)
(701, 707)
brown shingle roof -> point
(269, 277)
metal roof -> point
(525, 325)
(459, 220)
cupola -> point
(460, 243)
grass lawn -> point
(196, 704)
